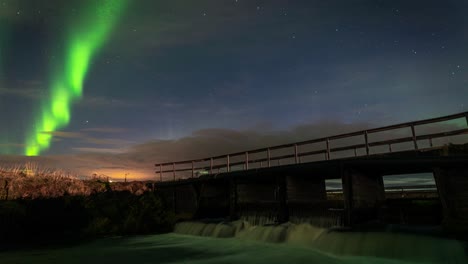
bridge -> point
(288, 182)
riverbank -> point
(69, 219)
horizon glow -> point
(86, 35)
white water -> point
(388, 245)
(239, 242)
(177, 248)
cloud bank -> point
(138, 160)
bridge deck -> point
(326, 155)
(380, 164)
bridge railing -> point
(277, 155)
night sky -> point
(167, 72)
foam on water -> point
(178, 248)
(389, 245)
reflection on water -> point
(243, 243)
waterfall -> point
(392, 245)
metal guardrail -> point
(199, 165)
(403, 188)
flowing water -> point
(239, 242)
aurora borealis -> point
(121, 82)
(86, 35)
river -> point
(239, 242)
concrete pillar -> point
(307, 198)
(257, 200)
(282, 198)
(214, 199)
(185, 200)
(452, 184)
(306, 189)
(233, 199)
(363, 194)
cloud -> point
(28, 92)
(63, 134)
(99, 101)
(15, 145)
(99, 150)
(105, 141)
(140, 159)
(105, 129)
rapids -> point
(239, 242)
(383, 244)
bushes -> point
(39, 186)
(81, 217)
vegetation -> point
(48, 208)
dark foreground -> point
(71, 219)
(178, 248)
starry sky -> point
(170, 71)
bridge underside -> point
(297, 192)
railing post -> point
(160, 172)
(193, 169)
(246, 160)
(328, 149)
(211, 165)
(173, 170)
(269, 157)
(228, 164)
(296, 154)
(413, 132)
(366, 137)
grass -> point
(30, 181)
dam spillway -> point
(263, 187)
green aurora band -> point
(5, 147)
(86, 36)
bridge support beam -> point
(363, 194)
(307, 198)
(282, 199)
(452, 184)
(233, 198)
(213, 199)
(257, 200)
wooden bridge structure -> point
(287, 182)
